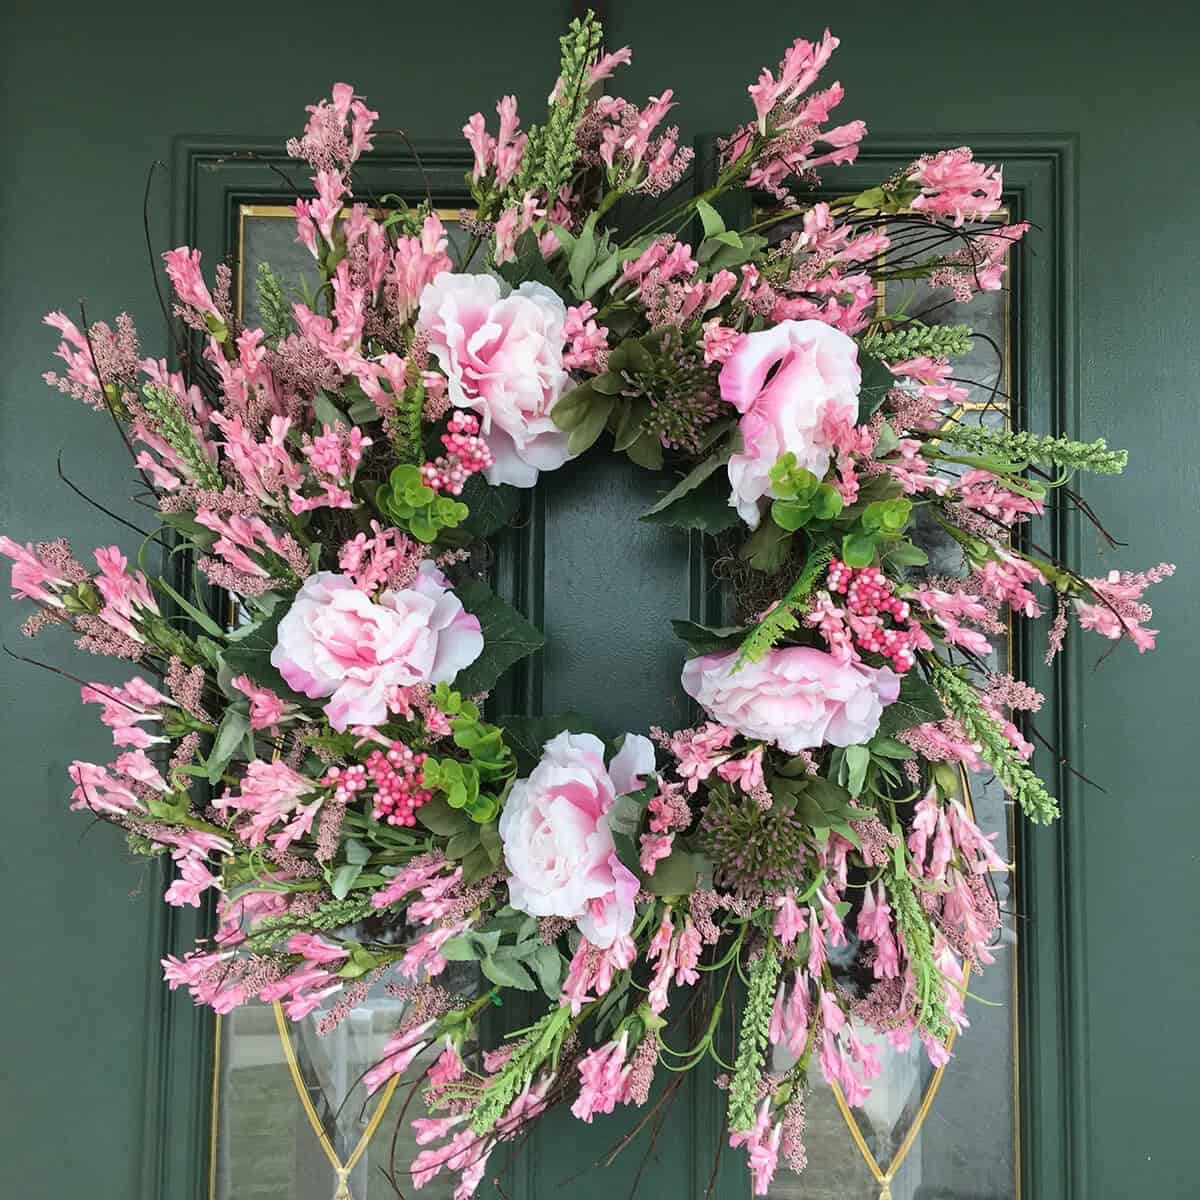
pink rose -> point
(813, 375)
(798, 697)
(557, 842)
(336, 641)
(503, 357)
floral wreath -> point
(335, 471)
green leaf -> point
(492, 506)
(527, 735)
(646, 452)
(233, 728)
(357, 852)
(548, 964)
(459, 949)
(917, 704)
(858, 549)
(325, 411)
(475, 866)
(462, 843)
(822, 803)
(700, 500)
(601, 275)
(572, 406)
(905, 554)
(708, 639)
(507, 637)
(592, 425)
(710, 220)
(489, 839)
(200, 617)
(343, 879)
(674, 875)
(858, 759)
(767, 548)
(438, 817)
(877, 381)
(629, 424)
(886, 747)
(507, 974)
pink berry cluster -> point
(397, 776)
(466, 453)
(870, 597)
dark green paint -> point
(105, 1079)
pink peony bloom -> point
(787, 382)
(335, 641)
(798, 698)
(557, 842)
(503, 357)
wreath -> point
(319, 761)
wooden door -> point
(107, 1081)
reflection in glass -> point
(926, 1134)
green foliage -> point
(410, 504)
(929, 1001)
(802, 500)
(490, 506)
(268, 932)
(963, 703)
(917, 704)
(700, 500)
(914, 339)
(753, 1039)
(880, 524)
(551, 151)
(708, 639)
(877, 381)
(768, 547)
(273, 305)
(655, 391)
(507, 637)
(1021, 448)
(593, 260)
(541, 1044)
(527, 735)
(169, 421)
(784, 617)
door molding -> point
(212, 175)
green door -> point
(108, 1081)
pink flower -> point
(557, 842)
(954, 185)
(799, 698)
(786, 381)
(503, 357)
(266, 708)
(183, 269)
(603, 1076)
(270, 792)
(336, 641)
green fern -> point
(273, 306)
(785, 616)
(171, 424)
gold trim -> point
(214, 1121)
(340, 1169)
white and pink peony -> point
(799, 698)
(336, 641)
(503, 357)
(787, 382)
(557, 842)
